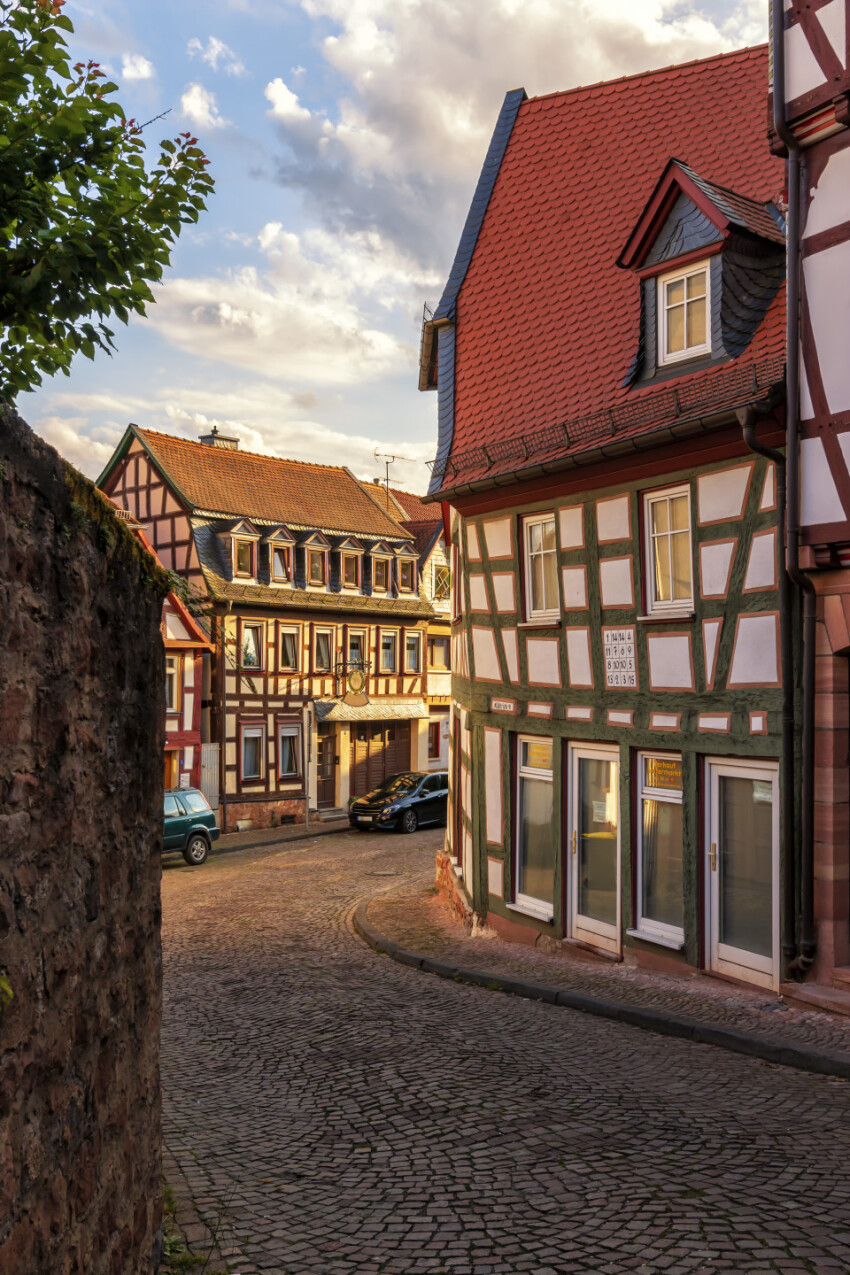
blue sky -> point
(345, 137)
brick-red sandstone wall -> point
(81, 723)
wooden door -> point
(359, 759)
(171, 768)
(327, 768)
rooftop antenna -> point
(388, 460)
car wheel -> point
(409, 821)
(197, 849)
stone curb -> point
(738, 1042)
(260, 845)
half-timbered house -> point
(311, 594)
(609, 359)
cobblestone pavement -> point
(421, 922)
(331, 1111)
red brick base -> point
(450, 886)
(265, 814)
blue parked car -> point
(403, 802)
(190, 824)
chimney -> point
(229, 441)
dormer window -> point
(381, 575)
(317, 568)
(243, 555)
(280, 564)
(406, 574)
(351, 570)
(684, 329)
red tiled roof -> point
(413, 507)
(547, 324)
(218, 480)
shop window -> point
(288, 751)
(535, 864)
(541, 568)
(659, 868)
(253, 748)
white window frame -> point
(260, 628)
(377, 588)
(296, 633)
(690, 351)
(290, 729)
(252, 731)
(172, 678)
(388, 672)
(655, 931)
(331, 635)
(363, 635)
(676, 606)
(542, 909)
(416, 637)
(546, 614)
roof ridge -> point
(747, 51)
(239, 451)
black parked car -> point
(403, 802)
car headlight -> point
(389, 810)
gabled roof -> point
(414, 509)
(279, 535)
(725, 209)
(546, 324)
(220, 481)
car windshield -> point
(195, 802)
(397, 786)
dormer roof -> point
(726, 210)
(350, 544)
(241, 527)
(315, 540)
(279, 536)
(382, 549)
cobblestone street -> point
(332, 1111)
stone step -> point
(324, 816)
(841, 976)
(832, 1000)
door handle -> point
(712, 858)
(574, 841)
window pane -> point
(350, 570)
(413, 654)
(548, 530)
(288, 655)
(550, 581)
(289, 751)
(536, 754)
(662, 862)
(195, 802)
(441, 583)
(251, 756)
(660, 514)
(438, 653)
(244, 556)
(535, 537)
(746, 864)
(280, 564)
(355, 650)
(250, 648)
(323, 650)
(696, 322)
(538, 602)
(678, 513)
(597, 848)
(675, 329)
(536, 841)
(388, 652)
(676, 292)
(317, 568)
(170, 807)
(696, 285)
(381, 573)
(661, 556)
(681, 551)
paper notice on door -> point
(763, 792)
(600, 812)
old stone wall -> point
(81, 678)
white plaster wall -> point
(802, 73)
(493, 784)
(572, 527)
(715, 565)
(829, 310)
(615, 578)
(485, 656)
(504, 591)
(543, 662)
(828, 207)
(761, 567)
(819, 498)
(755, 661)
(478, 593)
(669, 661)
(509, 641)
(497, 535)
(575, 588)
(473, 549)
(711, 637)
(578, 657)
(612, 519)
(721, 495)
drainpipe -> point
(747, 417)
(807, 948)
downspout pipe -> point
(807, 947)
(747, 417)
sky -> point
(345, 138)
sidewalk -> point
(254, 838)
(414, 925)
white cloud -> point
(285, 104)
(199, 106)
(135, 67)
(217, 55)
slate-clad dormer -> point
(709, 262)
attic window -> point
(405, 580)
(381, 582)
(244, 551)
(351, 570)
(684, 328)
(280, 564)
(317, 568)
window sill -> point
(668, 617)
(539, 624)
(541, 913)
(676, 945)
